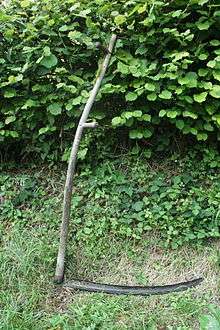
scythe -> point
(59, 275)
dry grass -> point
(146, 264)
(159, 266)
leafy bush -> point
(165, 70)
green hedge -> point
(165, 70)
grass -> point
(29, 300)
(28, 248)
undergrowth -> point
(126, 196)
(123, 210)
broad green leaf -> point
(87, 41)
(82, 153)
(75, 35)
(137, 113)
(43, 130)
(25, 3)
(142, 9)
(120, 19)
(180, 124)
(210, 108)
(203, 56)
(76, 79)
(136, 70)
(152, 97)
(138, 206)
(202, 136)
(30, 103)
(187, 98)
(147, 133)
(123, 68)
(216, 74)
(215, 92)
(15, 79)
(68, 106)
(127, 114)
(217, 13)
(206, 84)
(193, 131)
(190, 114)
(202, 2)
(215, 42)
(129, 122)
(124, 56)
(90, 24)
(203, 72)
(135, 134)
(47, 51)
(217, 51)
(162, 113)
(150, 87)
(146, 117)
(49, 61)
(64, 28)
(179, 56)
(178, 90)
(172, 114)
(190, 80)
(131, 96)
(216, 118)
(9, 92)
(176, 13)
(14, 134)
(147, 21)
(211, 64)
(203, 25)
(148, 153)
(208, 127)
(55, 108)
(76, 100)
(85, 93)
(10, 119)
(116, 121)
(165, 94)
(85, 12)
(200, 97)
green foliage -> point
(20, 196)
(166, 66)
(178, 198)
(182, 203)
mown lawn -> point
(29, 229)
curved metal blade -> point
(131, 290)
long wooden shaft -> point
(59, 275)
